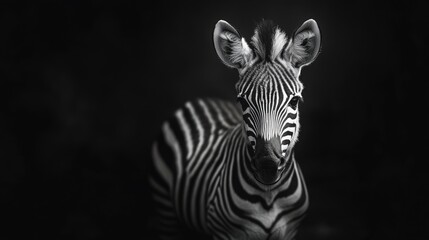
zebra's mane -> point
(268, 41)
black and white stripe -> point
(203, 174)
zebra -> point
(227, 169)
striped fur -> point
(202, 176)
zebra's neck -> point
(239, 185)
(243, 172)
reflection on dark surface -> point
(86, 85)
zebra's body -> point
(230, 172)
(181, 164)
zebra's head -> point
(269, 89)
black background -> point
(85, 86)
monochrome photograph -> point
(273, 120)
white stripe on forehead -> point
(279, 41)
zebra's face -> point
(269, 89)
(269, 95)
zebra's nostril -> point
(282, 162)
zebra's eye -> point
(243, 103)
(293, 103)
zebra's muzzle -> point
(268, 171)
(268, 163)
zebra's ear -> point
(305, 44)
(231, 48)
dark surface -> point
(85, 85)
